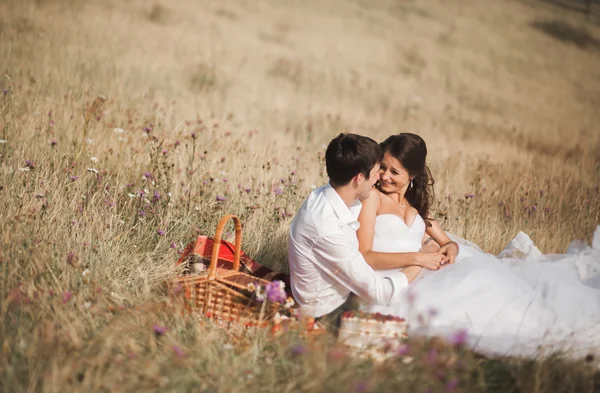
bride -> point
(520, 303)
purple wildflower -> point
(193, 135)
(164, 152)
(278, 191)
(177, 143)
(178, 289)
(459, 337)
(469, 196)
(247, 189)
(66, 296)
(147, 129)
(276, 292)
(142, 213)
(156, 196)
(403, 350)
(147, 175)
(221, 198)
(451, 385)
(432, 357)
(30, 164)
(159, 330)
(71, 258)
(4, 91)
(173, 245)
(361, 387)
(160, 232)
(53, 143)
(73, 178)
(298, 350)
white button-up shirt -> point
(325, 263)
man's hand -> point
(430, 260)
(450, 252)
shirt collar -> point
(348, 216)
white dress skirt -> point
(519, 303)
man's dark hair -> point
(348, 155)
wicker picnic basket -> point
(223, 294)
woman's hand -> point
(430, 260)
(450, 252)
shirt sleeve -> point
(345, 264)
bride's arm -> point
(387, 260)
(428, 244)
(448, 247)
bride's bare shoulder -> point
(374, 199)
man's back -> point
(325, 263)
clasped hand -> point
(433, 258)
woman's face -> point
(393, 177)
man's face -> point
(365, 187)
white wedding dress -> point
(520, 303)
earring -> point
(411, 185)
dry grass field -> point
(127, 128)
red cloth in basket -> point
(203, 247)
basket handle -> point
(212, 270)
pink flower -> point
(160, 232)
(178, 351)
(221, 198)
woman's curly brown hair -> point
(410, 150)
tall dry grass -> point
(129, 128)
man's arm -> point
(344, 263)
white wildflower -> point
(93, 170)
(89, 141)
(130, 195)
(3, 141)
(169, 194)
(87, 305)
(85, 273)
(289, 303)
(118, 130)
(94, 159)
(25, 169)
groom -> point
(325, 263)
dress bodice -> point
(393, 235)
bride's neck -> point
(397, 197)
